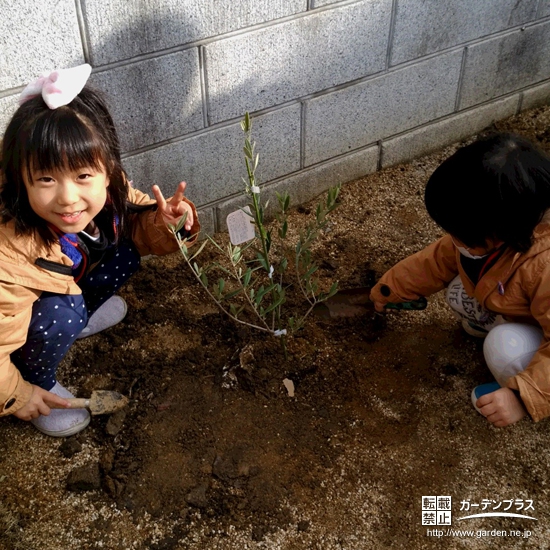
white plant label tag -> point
(240, 226)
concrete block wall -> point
(337, 88)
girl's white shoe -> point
(62, 422)
(473, 330)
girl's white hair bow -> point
(59, 87)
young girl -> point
(72, 231)
(493, 199)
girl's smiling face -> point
(68, 199)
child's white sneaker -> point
(62, 422)
(107, 315)
(474, 330)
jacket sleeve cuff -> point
(19, 398)
(537, 408)
(382, 292)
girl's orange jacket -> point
(22, 282)
(517, 287)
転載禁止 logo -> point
(436, 510)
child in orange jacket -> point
(72, 231)
(493, 199)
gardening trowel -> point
(100, 402)
(354, 302)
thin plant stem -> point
(218, 303)
(250, 301)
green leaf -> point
(272, 286)
(235, 311)
(246, 123)
(283, 230)
(236, 256)
(318, 213)
(271, 307)
(262, 261)
(247, 246)
(311, 271)
(201, 248)
(247, 277)
(204, 279)
(215, 243)
(232, 294)
(283, 264)
(281, 299)
(260, 220)
(180, 223)
(260, 293)
(216, 292)
(247, 211)
(221, 268)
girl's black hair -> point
(76, 135)
(497, 187)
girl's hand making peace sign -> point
(175, 208)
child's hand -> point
(40, 403)
(501, 407)
(173, 210)
(378, 306)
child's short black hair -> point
(79, 134)
(497, 187)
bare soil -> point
(213, 453)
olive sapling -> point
(250, 284)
